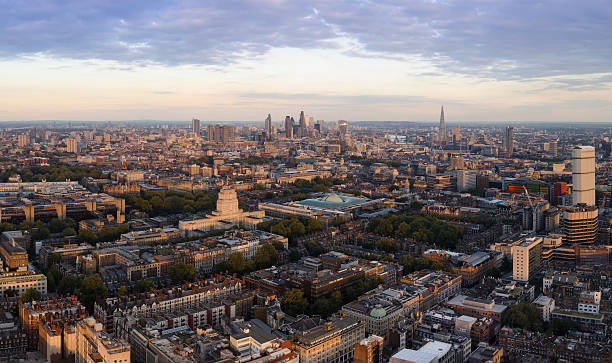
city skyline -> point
(174, 61)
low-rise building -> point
(93, 344)
(330, 341)
(476, 307)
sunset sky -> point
(483, 60)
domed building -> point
(227, 215)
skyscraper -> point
(342, 127)
(195, 126)
(509, 140)
(210, 132)
(583, 175)
(288, 127)
(227, 133)
(71, 145)
(302, 130)
(442, 129)
(22, 140)
(217, 133)
(268, 127)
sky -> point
(227, 60)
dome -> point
(378, 312)
(333, 198)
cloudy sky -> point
(483, 60)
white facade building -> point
(583, 175)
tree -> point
(493, 272)
(122, 290)
(68, 231)
(92, 288)
(314, 225)
(50, 283)
(68, 285)
(266, 256)
(54, 259)
(297, 228)
(524, 316)
(30, 294)
(143, 285)
(181, 272)
(56, 225)
(385, 228)
(294, 302)
(41, 233)
(386, 245)
(294, 255)
(314, 248)
(278, 245)
(338, 221)
(87, 235)
(563, 326)
(237, 262)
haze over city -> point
(270, 181)
(364, 60)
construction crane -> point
(533, 210)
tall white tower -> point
(583, 175)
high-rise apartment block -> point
(71, 145)
(527, 258)
(195, 126)
(22, 140)
(220, 133)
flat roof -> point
(415, 356)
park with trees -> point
(423, 229)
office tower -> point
(268, 127)
(509, 140)
(22, 140)
(527, 259)
(342, 127)
(288, 127)
(583, 175)
(210, 132)
(456, 134)
(317, 127)
(369, 350)
(580, 224)
(302, 124)
(195, 126)
(442, 129)
(227, 133)
(217, 133)
(71, 145)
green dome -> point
(378, 312)
(333, 198)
